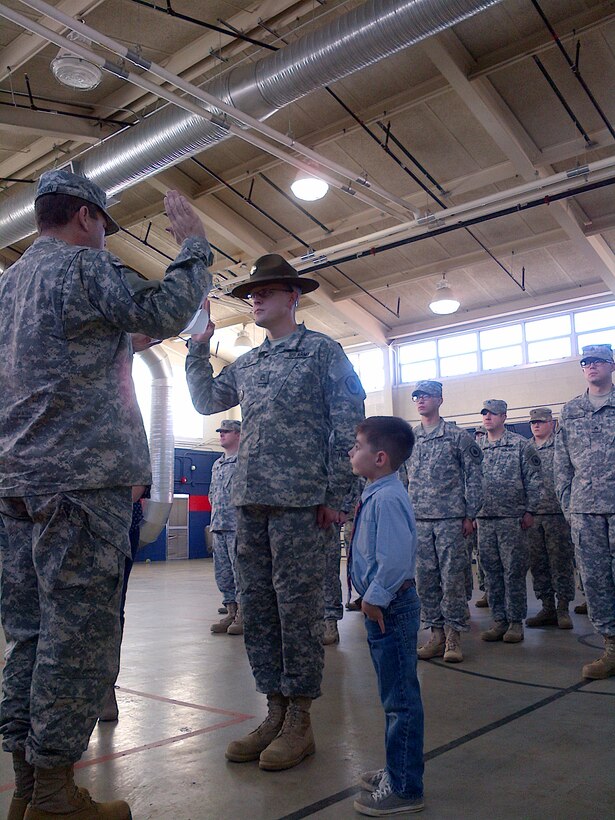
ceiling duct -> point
(348, 44)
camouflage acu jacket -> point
(300, 403)
(549, 504)
(69, 418)
(585, 457)
(512, 481)
(444, 473)
(223, 513)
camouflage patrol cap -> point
(272, 269)
(497, 406)
(541, 414)
(229, 426)
(430, 387)
(592, 352)
(62, 181)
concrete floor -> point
(513, 732)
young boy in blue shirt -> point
(383, 558)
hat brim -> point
(302, 283)
(425, 393)
(112, 226)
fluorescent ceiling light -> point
(444, 300)
(308, 187)
(73, 71)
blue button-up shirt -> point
(384, 541)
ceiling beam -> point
(452, 59)
(26, 121)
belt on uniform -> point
(409, 582)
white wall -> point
(521, 387)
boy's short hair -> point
(391, 434)
(57, 210)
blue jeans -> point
(394, 657)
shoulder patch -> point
(353, 384)
(535, 460)
(475, 452)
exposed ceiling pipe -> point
(348, 44)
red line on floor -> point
(162, 699)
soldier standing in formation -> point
(585, 485)
(551, 549)
(223, 527)
(444, 475)
(72, 445)
(302, 381)
(512, 487)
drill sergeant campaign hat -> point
(432, 388)
(65, 182)
(273, 269)
(592, 353)
(229, 426)
(497, 406)
(541, 414)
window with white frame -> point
(533, 341)
(369, 367)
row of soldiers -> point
(528, 501)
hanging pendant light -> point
(308, 187)
(444, 300)
(243, 343)
(75, 72)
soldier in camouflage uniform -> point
(551, 550)
(482, 602)
(585, 485)
(512, 489)
(223, 527)
(72, 444)
(286, 496)
(444, 482)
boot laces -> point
(292, 720)
(384, 788)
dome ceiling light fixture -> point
(243, 343)
(308, 187)
(444, 300)
(75, 72)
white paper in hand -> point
(198, 323)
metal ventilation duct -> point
(350, 43)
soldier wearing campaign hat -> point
(287, 497)
(551, 550)
(512, 488)
(72, 445)
(585, 485)
(445, 486)
(223, 528)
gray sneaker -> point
(384, 801)
(371, 780)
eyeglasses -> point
(422, 396)
(588, 362)
(267, 293)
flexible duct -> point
(350, 43)
(161, 445)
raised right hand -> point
(183, 218)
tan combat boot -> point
(604, 667)
(452, 651)
(295, 741)
(24, 786)
(564, 621)
(581, 609)
(331, 634)
(482, 603)
(110, 711)
(236, 628)
(435, 647)
(546, 617)
(250, 747)
(223, 624)
(514, 633)
(56, 795)
(496, 631)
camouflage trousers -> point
(594, 540)
(224, 545)
(280, 569)
(471, 546)
(551, 558)
(441, 573)
(332, 588)
(504, 556)
(62, 572)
